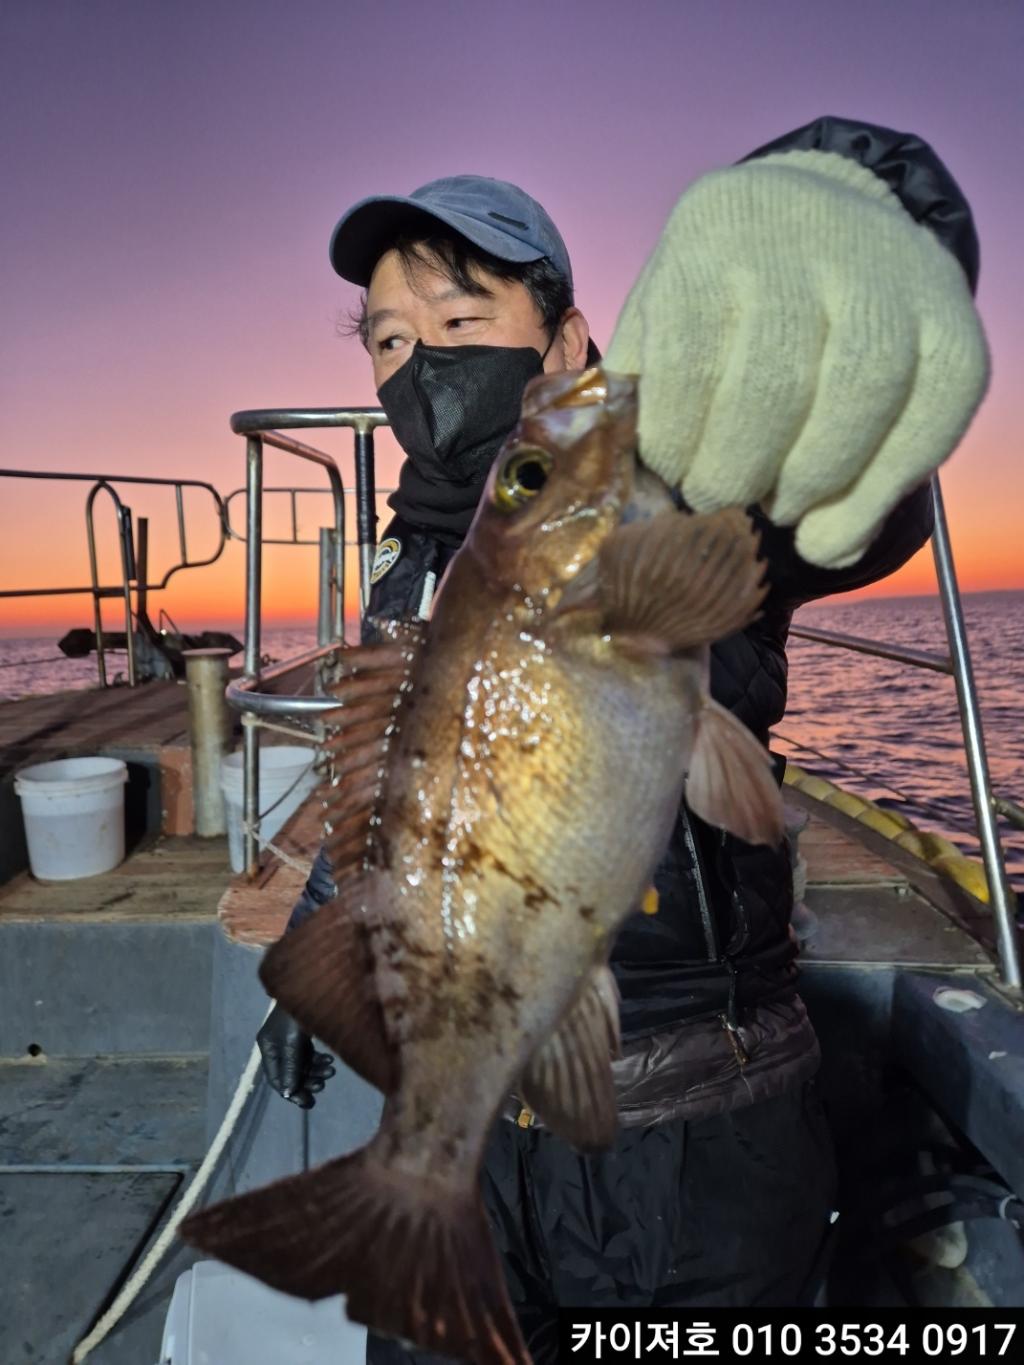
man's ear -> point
(570, 348)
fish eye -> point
(521, 477)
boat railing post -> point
(253, 606)
(128, 575)
(974, 743)
(325, 578)
(366, 509)
(209, 726)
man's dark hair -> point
(458, 261)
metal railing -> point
(131, 562)
(262, 709)
(987, 805)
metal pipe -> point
(107, 480)
(259, 419)
(974, 741)
(209, 725)
(273, 704)
(180, 505)
(98, 593)
(939, 663)
(142, 570)
(253, 590)
(366, 511)
(338, 538)
(127, 574)
(253, 552)
(1010, 810)
(250, 794)
(243, 696)
(325, 567)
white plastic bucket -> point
(74, 816)
(287, 777)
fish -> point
(503, 781)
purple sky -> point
(172, 172)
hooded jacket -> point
(709, 1008)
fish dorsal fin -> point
(322, 974)
(370, 686)
(568, 1082)
(679, 581)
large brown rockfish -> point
(504, 783)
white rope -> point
(305, 867)
(134, 1284)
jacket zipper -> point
(710, 940)
(730, 1022)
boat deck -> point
(146, 727)
(873, 904)
(179, 876)
(105, 991)
(90, 1144)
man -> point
(720, 1188)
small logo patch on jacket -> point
(386, 558)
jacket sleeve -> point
(910, 168)
(318, 891)
(793, 581)
(928, 192)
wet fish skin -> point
(538, 760)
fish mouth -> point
(588, 388)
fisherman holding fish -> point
(586, 715)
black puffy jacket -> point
(720, 942)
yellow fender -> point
(966, 873)
(933, 849)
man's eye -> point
(388, 343)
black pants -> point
(730, 1211)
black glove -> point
(290, 1062)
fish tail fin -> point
(414, 1258)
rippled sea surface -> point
(892, 732)
(883, 729)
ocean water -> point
(885, 730)
(892, 732)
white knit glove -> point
(804, 344)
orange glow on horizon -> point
(213, 597)
(983, 525)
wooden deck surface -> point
(33, 729)
(146, 724)
(172, 878)
(837, 859)
(256, 912)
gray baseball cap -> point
(492, 214)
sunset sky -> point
(172, 170)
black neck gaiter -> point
(451, 408)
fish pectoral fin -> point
(679, 581)
(373, 680)
(416, 1260)
(730, 782)
(322, 974)
(568, 1082)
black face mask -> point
(451, 407)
